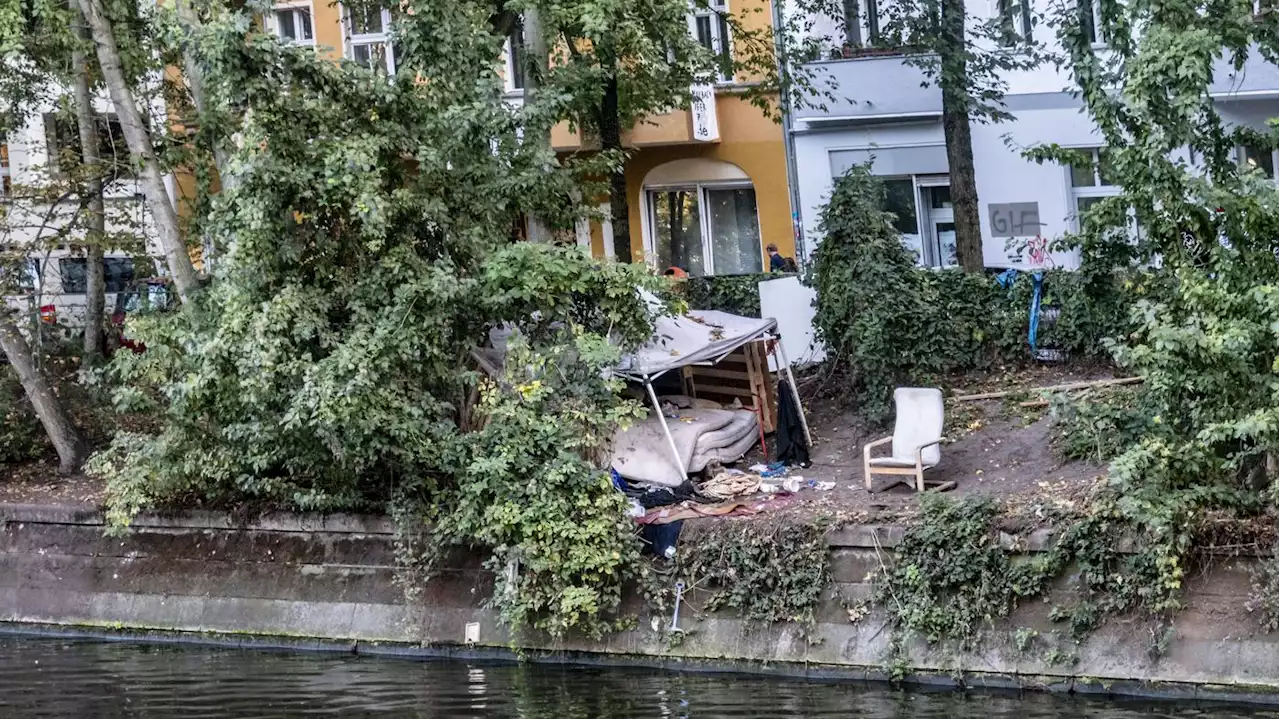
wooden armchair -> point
(917, 436)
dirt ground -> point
(39, 483)
(993, 447)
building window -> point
(922, 210)
(369, 38)
(872, 12)
(6, 174)
(1091, 20)
(1015, 21)
(516, 57)
(1258, 158)
(62, 138)
(293, 25)
(1093, 179)
(117, 271)
(26, 272)
(712, 32)
(852, 25)
(706, 230)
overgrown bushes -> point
(893, 323)
(735, 294)
(21, 436)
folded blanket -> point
(723, 455)
(641, 452)
(744, 424)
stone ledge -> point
(89, 515)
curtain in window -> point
(735, 231)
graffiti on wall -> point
(1018, 223)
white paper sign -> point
(706, 126)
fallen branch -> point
(1054, 388)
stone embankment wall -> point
(307, 577)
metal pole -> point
(671, 442)
(795, 392)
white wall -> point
(125, 210)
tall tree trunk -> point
(67, 440)
(611, 140)
(194, 78)
(953, 79)
(193, 75)
(95, 228)
(138, 137)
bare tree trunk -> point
(138, 137)
(955, 128)
(95, 229)
(72, 447)
(611, 140)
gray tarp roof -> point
(699, 337)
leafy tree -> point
(611, 64)
(968, 59)
(367, 255)
(1207, 351)
(140, 136)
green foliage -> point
(892, 323)
(766, 570)
(955, 573)
(735, 294)
(1102, 427)
(532, 489)
(21, 436)
(1263, 600)
(950, 578)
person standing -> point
(777, 263)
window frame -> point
(1242, 159)
(1096, 191)
(293, 6)
(514, 77)
(83, 263)
(6, 170)
(714, 12)
(351, 40)
(701, 189)
(1097, 38)
(118, 161)
(1015, 17)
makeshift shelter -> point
(701, 337)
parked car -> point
(150, 295)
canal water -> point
(62, 678)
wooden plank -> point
(1054, 388)
(706, 389)
(721, 373)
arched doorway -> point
(700, 215)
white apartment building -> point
(884, 115)
(55, 274)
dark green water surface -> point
(80, 678)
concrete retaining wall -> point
(332, 578)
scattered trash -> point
(726, 485)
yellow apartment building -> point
(706, 188)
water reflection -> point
(40, 677)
